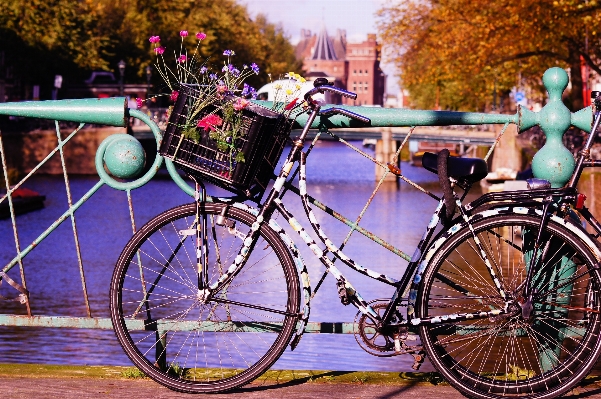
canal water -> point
(338, 177)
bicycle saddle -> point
(468, 169)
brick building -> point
(352, 66)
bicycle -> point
(503, 296)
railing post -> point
(386, 149)
(507, 153)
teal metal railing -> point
(122, 155)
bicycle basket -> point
(263, 134)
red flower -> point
(291, 104)
(210, 122)
(174, 95)
(139, 102)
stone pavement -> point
(80, 388)
(41, 381)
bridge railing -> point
(120, 157)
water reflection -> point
(337, 176)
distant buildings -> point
(352, 66)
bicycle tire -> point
(510, 355)
(201, 346)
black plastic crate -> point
(264, 134)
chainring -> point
(369, 338)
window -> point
(354, 86)
(354, 71)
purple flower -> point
(159, 50)
(248, 91)
(233, 70)
(154, 39)
(229, 53)
(182, 58)
(201, 36)
(213, 76)
(255, 68)
(183, 33)
(203, 70)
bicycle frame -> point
(410, 280)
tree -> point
(466, 49)
(226, 24)
(42, 38)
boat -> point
(24, 200)
(416, 157)
(502, 179)
(416, 153)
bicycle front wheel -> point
(173, 331)
(540, 351)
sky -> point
(357, 17)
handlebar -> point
(321, 86)
(331, 89)
(345, 112)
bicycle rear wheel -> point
(177, 336)
(540, 355)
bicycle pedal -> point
(418, 360)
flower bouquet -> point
(215, 130)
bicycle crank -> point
(372, 340)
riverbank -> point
(77, 382)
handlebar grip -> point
(345, 112)
(332, 89)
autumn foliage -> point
(464, 53)
(72, 37)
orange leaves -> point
(468, 45)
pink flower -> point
(174, 95)
(154, 39)
(182, 58)
(240, 104)
(159, 50)
(210, 122)
(183, 33)
(201, 36)
(139, 102)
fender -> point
(301, 267)
(507, 210)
